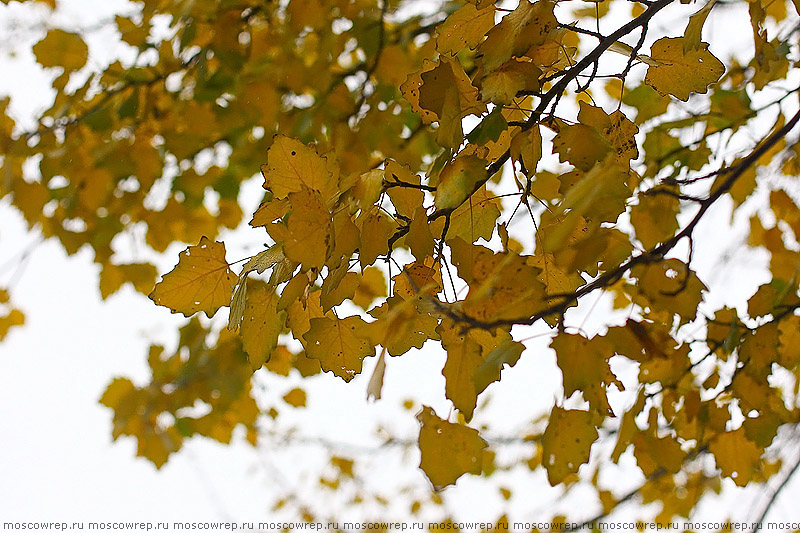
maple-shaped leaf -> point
(60, 48)
(681, 73)
(529, 25)
(448, 450)
(292, 166)
(464, 28)
(336, 344)
(261, 322)
(201, 281)
(567, 442)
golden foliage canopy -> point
(445, 179)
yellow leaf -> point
(789, 348)
(336, 345)
(376, 229)
(335, 291)
(201, 281)
(295, 397)
(419, 237)
(654, 453)
(600, 195)
(292, 166)
(680, 74)
(307, 232)
(475, 218)
(737, 457)
(405, 199)
(694, 30)
(502, 85)
(261, 322)
(269, 212)
(458, 180)
(400, 326)
(141, 275)
(584, 366)
(448, 450)
(375, 385)
(61, 49)
(671, 285)
(371, 285)
(464, 357)
(465, 27)
(526, 147)
(615, 128)
(418, 279)
(580, 145)
(529, 25)
(13, 318)
(448, 79)
(502, 286)
(567, 443)
(445, 94)
(655, 218)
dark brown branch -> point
(775, 493)
(396, 182)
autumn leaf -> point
(201, 281)
(681, 73)
(584, 366)
(336, 344)
(464, 28)
(737, 457)
(261, 323)
(292, 166)
(528, 26)
(306, 235)
(567, 443)
(448, 450)
(60, 48)
(458, 181)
